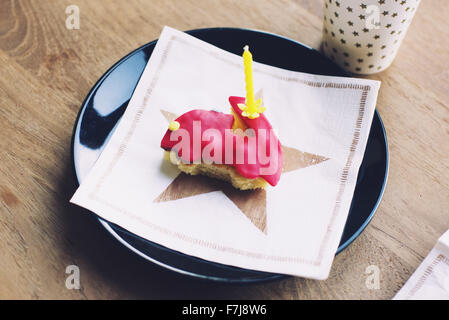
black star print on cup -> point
(356, 43)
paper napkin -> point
(431, 280)
(294, 228)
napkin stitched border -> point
(427, 273)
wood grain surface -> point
(47, 70)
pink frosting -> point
(268, 167)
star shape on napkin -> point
(252, 203)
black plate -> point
(108, 99)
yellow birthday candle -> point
(252, 108)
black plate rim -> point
(270, 276)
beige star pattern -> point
(252, 203)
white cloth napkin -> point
(293, 228)
(431, 280)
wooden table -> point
(47, 70)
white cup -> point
(363, 36)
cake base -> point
(222, 172)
